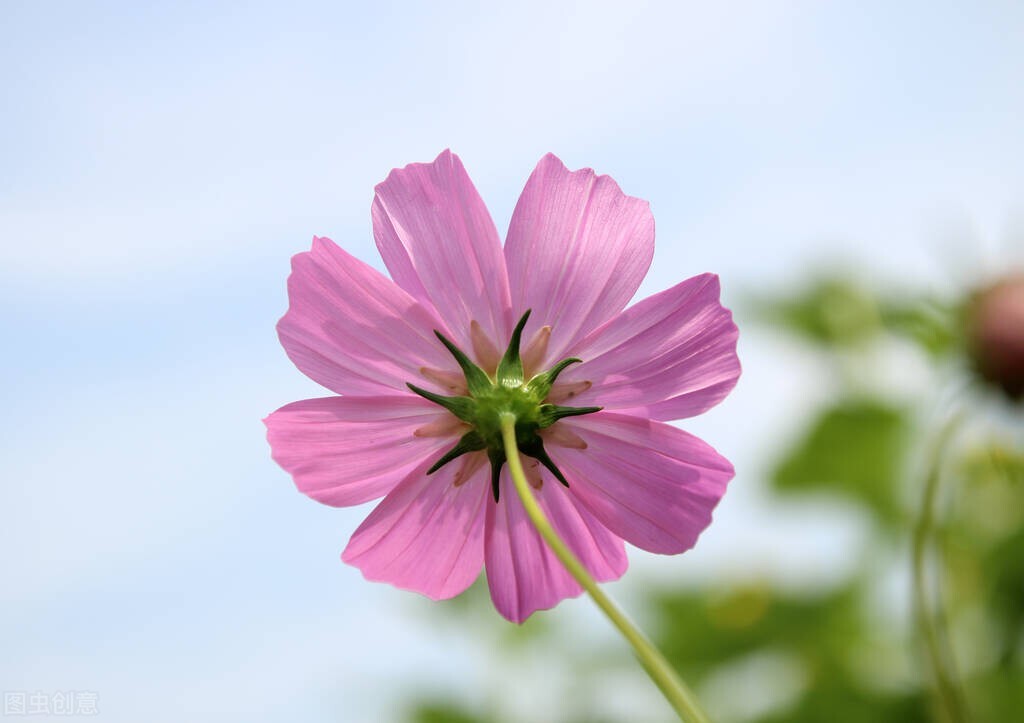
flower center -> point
(507, 391)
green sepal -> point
(510, 368)
(477, 380)
(462, 407)
(497, 457)
(551, 413)
(536, 450)
(541, 384)
(470, 442)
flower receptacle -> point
(506, 394)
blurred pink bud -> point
(995, 333)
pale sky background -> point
(159, 165)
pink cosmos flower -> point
(465, 326)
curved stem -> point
(932, 622)
(674, 689)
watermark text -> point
(61, 702)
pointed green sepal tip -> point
(510, 368)
(497, 458)
(477, 380)
(541, 384)
(536, 450)
(470, 442)
(551, 413)
(461, 407)
(553, 372)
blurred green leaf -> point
(931, 325)
(824, 631)
(437, 711)
(836, 702)
(1004, 571)
(831, 312)
(856, 449)
(698, 632)
(998, 695)
(993, 463)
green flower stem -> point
(932, 623)
(674, 689)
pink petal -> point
(648, 482)
(522, 572)
(352, 329)
(577, 250)
(439, 243)
(426, 535)
(673, 353)
(349, 450)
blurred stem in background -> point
(931, 617)
(668, 681)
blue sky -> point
(160, 164)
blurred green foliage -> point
(932, 325)
(839, 313)
(441, 711)
(855, 448)
(832, 312)
(851, 660)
